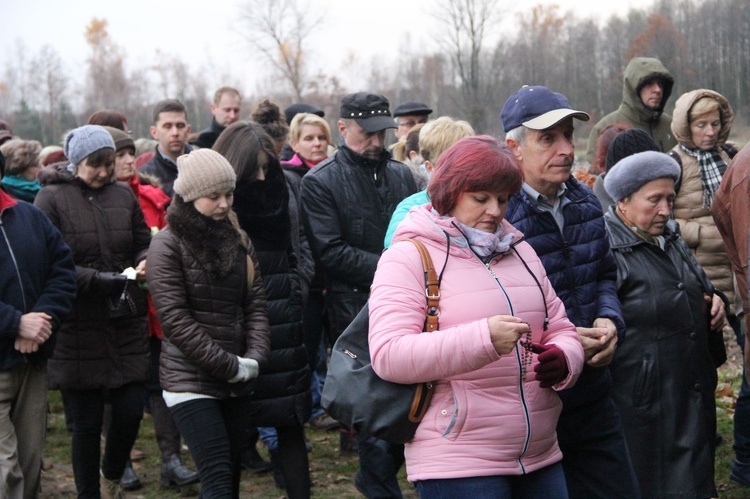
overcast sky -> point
(204, 32)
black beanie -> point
(627, 143)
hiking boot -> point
(174, 473)
(130, 480)
(323, 422)
(110, 489)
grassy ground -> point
(331, 473)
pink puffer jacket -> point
(483, 419)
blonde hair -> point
(438, 135)
(302, 119)
(702, 107)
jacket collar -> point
(6, 201)
(363, 161)
(622, 237)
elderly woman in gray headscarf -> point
(663, 371)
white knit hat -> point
(201, 173)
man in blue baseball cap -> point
(563, 221)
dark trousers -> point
(379, 463)
(292, 455)
(85, 410)
(214, 429)
(167, 434)
(596, 458)
(742, 409)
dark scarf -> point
(262, 208)
(216, 244)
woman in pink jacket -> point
(504, 344)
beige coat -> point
(696, 222)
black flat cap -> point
(370, 111)
(411, 108)
(298, 108)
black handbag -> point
(131, 302)
(357, 397)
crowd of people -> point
(205, 277)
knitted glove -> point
(247, 369)
(552, 367)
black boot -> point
(130, 480)
(175, 473)
(278, 476)
(253, 462)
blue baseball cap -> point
(538, 108)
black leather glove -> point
(109, 283)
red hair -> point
(473, 164)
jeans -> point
(546, 483)
(213, 430)
(85, 411)
(742, 409)
(596, 459)
(379, 463)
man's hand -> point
(35, 326)
(718, 314)
(26, 346)
(599, 342)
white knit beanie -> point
(201, 173)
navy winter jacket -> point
(37, 274)
(580, 267)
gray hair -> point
(518, 134)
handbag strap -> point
(432, 287)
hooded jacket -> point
(697, 225)
(38, 275)
(664, 378)
(632, 112)
(485, 418)
(105, 230)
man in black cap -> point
(408, 115)
(563, 221)
(347, 202)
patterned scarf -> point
(483, 243)
(712, 167)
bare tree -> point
(467, 23)
(279, 29)
(50, 86)
(107, 86)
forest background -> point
(476, 59)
